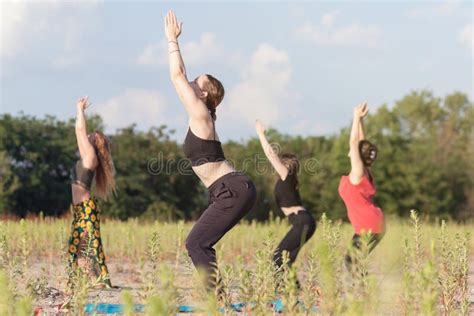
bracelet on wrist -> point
(176, 42)
(176, 50)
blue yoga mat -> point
(104, 308)
(110, 308)
(277, 306)
(236, 307)
(187, 309)
(119, 308)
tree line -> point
(425, 143)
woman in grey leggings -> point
(231, 194)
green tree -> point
(425, 147)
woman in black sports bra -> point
(96, 160)
(231, 194)
(288, 200)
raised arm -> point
(194, 105)
(269, 152)
(361, 129)
(86, 150)
(357, 166)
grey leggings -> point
(231, 198)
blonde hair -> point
(105, 171)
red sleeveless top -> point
(363, 214)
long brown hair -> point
(105, 171)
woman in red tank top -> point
(357, 189)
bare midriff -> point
(79, 194)
(292, 209)
(211, 171)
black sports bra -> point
(287, 193)
(201, 151)
(82, 176)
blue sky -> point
(300, 67)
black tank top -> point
(201, 151)
(82, 176)
(287, 193)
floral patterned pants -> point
(85, 239)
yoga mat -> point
(105, 308)
(187, 309)
(236, 307)
(277, 305)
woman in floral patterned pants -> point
(95, 165)
(85, 239)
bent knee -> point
(196, 245)
(191, 244)
(308, 221)
(309, 227)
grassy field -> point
(418, 269)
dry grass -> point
(418, 268)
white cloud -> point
(154, 55)
(26, 25)
(146, 108)
(200, 52)
(203, 51)
(325, 33)
(67, 61)
(466, 37)
(328, 18)
(263, 89)
(427, 10)
(448, 7)
(14, 15)
(307, 127)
